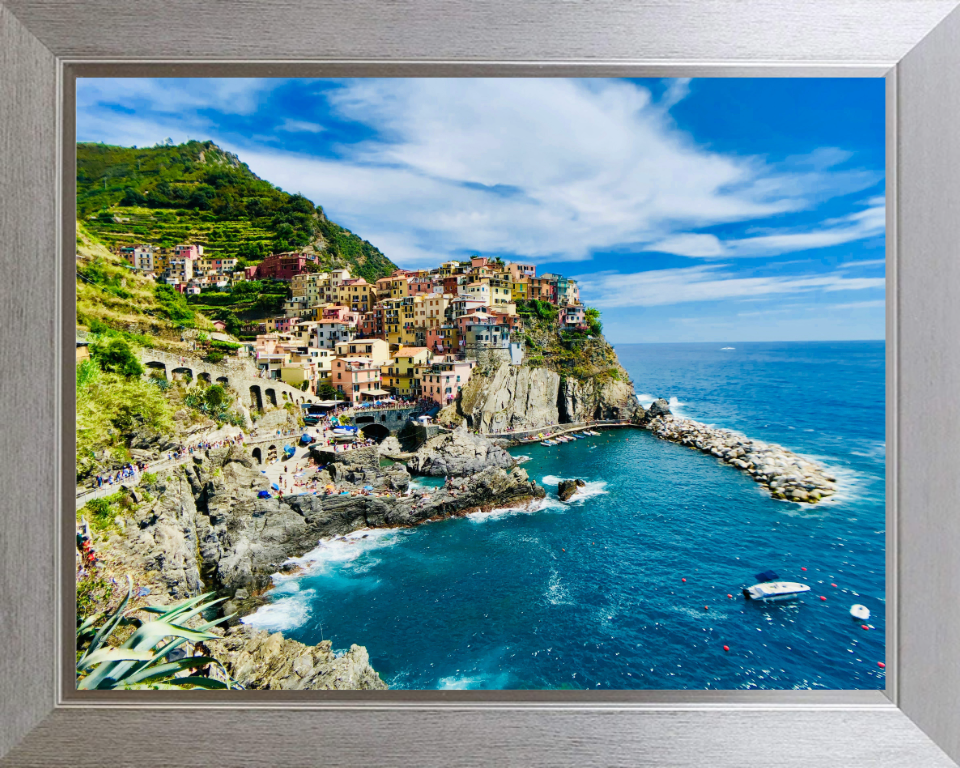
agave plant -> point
(143, 661)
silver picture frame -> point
(46, 46)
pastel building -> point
(442, 378)
(358, 378)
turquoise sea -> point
(591, 594)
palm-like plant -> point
(143, 661)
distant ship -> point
(723, 348)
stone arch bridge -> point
(255, 392)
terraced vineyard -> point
(167, 228)
(198, 193)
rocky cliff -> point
(519, 397)
(204, 527)
(599, 397)
(509, 396)
(457, 454)
(263, 661)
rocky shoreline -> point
(201, 527)
(786, 475)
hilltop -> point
(198, 193)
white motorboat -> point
(775, 590)
(860, 612)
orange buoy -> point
(564, 550)
(726, 647)
(822, 597)
(881, 665)
(706, 607)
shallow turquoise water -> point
(590, 594)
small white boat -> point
(775, 590)
(860, 612)
(725, 348)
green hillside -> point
(198, 193)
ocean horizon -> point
(635, 583)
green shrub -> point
(114, 355)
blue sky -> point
(689, 210)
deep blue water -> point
(590, 594)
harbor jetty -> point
(787, 476)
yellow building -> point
(435, 309)
(449, 268)
(391, 319)
(357, 294)
(399, 375)
(519, 289)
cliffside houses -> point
(415, 334)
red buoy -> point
(864, 626)
(683, 580)
(726, 647)
(730, 596)
(706, 607)
(803, 569)
(881, 665)
(822, 597)
(833, 585)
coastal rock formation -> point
(787, 475)
(263, 661)
(566, 488)
(245, 541)
(511, 396)
(202, 527)
(659, 407)
(457, 454)
(163, 543)
(206, 528)
(601, 397)
(390, 447)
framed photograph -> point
(578, 391)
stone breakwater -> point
(788, 476)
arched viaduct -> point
(255, 392)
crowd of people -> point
(127, 471)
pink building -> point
(573, 318)
(519, 271)
(188, 251)
(340, 313)
(443, 377)
(358, 378)
(434, 339)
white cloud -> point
(707, 283)
(176, 96)
(540, 169)
(870, 222)
(545, 170)
(677, 91)
(300, 126)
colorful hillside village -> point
(416, 334)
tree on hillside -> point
(115, 356)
